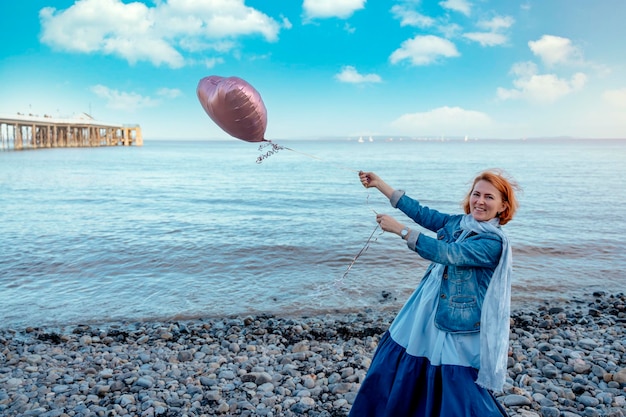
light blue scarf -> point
(496, 309)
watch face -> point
(404, 232)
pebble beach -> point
(566, 359)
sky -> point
(325, 68)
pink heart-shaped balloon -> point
(235, 106)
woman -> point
(446, 350)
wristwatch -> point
(404, 232)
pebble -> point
(565, 359)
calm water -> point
(185, 229)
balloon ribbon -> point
(267, 154)
(276, 148)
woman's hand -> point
(389, 224)
(369, 179)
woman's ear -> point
(505, 205)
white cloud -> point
(461, 6)
(443, 120)
(553, 50)
(533, 86)
(349, 74)
(424, 50)
(348, 28)
(497, 23)
(493, 35)
(169, 92)
(540, 88)
(615, 98)
(486, 38)
(120, 100)
(409, 17)
(286, 23)
(331, 8)
(212, 62)
(159, 34)
(214, 19)
(450, 30)
(578, 81)
(524, 69)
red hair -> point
(506, 186)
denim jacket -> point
(468, 264)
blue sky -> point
(345, 68)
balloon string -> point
(361, 252)
(276, 148)
(367, 243)
(367, 201)
(320, 159)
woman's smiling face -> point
(485, 201)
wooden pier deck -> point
(22, 132)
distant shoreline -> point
(381, 138)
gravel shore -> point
(565, 360)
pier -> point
(23, 132)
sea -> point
(178, 230)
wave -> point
(596, 249)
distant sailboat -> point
(466, 138)
(371, 139)
(360, 139)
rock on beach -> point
(564, 360)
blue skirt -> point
(400, 385)
(419, 370)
